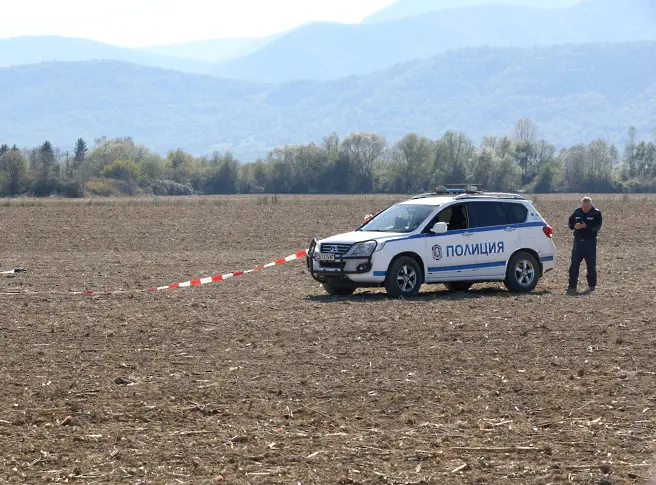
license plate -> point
(325, 257)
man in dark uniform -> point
(586, 223)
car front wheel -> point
(403, 278)
(523, 273)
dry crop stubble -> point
(265, 379)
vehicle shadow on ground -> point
(427, 295)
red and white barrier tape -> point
(186, 284)
(217, 278)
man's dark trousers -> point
(584, 249)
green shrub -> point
(122, 170)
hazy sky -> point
(146, 22)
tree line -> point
(358, 163)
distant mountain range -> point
(18, 51)
(409, 8)
(213, 51)
(328, 51)
(404, 31)
(574, 93)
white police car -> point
(440, 237)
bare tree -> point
(525, 147)
(543, 154)
(526, 130)
(630, 152)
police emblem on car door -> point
(437, 252)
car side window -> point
(454, 215)
(488, 214)
(518, 213)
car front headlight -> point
(363, 249)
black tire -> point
(338, 290)
(523, 273)
(404, 278)
(456, 286)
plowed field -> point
(265, 379)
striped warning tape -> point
(217, 278)
(186, 284)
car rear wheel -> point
(336, 290)
(403, 278)
(523, 273)
(458, 286)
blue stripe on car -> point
(438, 269)
(380, 273)
(547, 258)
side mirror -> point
(440, 228)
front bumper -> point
(345, 269)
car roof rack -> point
(450, 189)
(467, 191)
(493, 195)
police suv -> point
(457, 237)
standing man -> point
(586, 223)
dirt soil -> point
(266, 379)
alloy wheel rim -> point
(524, 272)
(406, 278)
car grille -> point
(339, 249)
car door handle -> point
(467, 234)
(510, 228)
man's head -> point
(586, 204)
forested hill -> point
(574, 93)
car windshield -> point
(401, 218)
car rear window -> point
(487, 214)
(517, 212)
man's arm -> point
(572, 221)
(596, 223)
